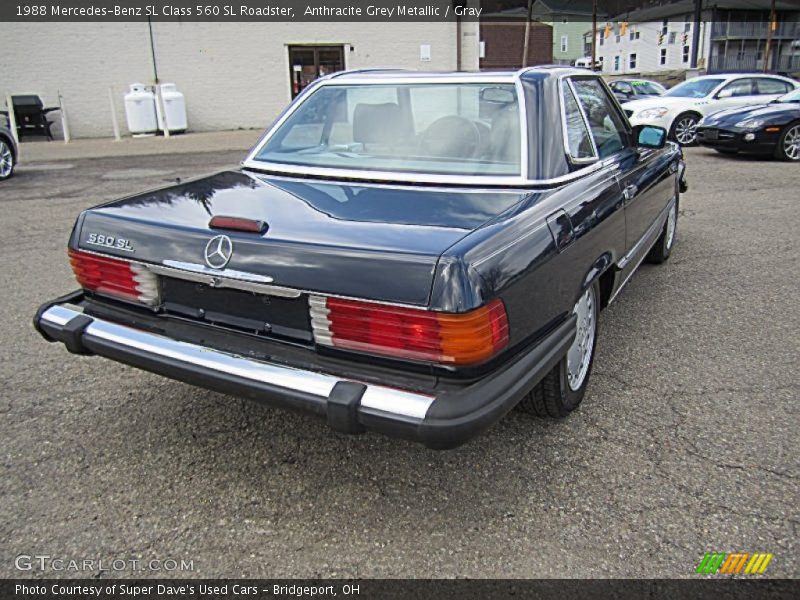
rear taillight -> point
(114, 277)
(449, 338)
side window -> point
(739, 87)
(772, 86)
(579, 142)
(625, 88)
(607, 127)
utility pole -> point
(698, 13)
(527, 34)
(594, 34)
(772, 25)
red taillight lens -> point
(114, 277)
(451, 338)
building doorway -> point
(307, 63)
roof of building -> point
(561, 7)
(681, 7)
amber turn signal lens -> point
(411, 333)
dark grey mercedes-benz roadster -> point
(409, 253)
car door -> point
(642, 174)
(769, 88)
(736, 93)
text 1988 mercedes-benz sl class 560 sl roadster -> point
(409, 253)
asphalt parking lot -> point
(686, 443)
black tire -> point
(781, 153)
(554, 396)
(661, 250)
(6, 154)
(680, 122)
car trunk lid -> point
(368, 241)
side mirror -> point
(725, 94)
(649, 136)
(497, 95)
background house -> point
(568, 18)
(733, 37)
(233, 75)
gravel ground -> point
(686, 442)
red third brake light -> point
(114, 277)
(450, 338)
(237, 224)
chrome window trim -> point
(397, 176)
(565, 80)
(264, 179)
(529, 184)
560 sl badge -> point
(109, 241)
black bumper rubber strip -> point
(342, 407)
(72, 334)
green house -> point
(569, 20)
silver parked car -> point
(8, 153)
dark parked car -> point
(772, 129)
(8, 153)
(635, 89)
(408, 253)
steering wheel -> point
(451, 137)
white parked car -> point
(679, 110)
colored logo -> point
(735, 563)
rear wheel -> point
(563, 388)
(789, 144)
(684, 129)
(6, 160)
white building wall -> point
(647, 47)
(233, 75)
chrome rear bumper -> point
(441, 421)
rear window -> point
(451, 128)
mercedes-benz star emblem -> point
(219, 251)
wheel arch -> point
(688, 111)
(601, 271)
(11, 145)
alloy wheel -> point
(791, 143)
(686, 130)
(579, 355)
(6, 160)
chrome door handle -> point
(629, 192)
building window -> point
(664, 25)
(632, 61)
(633, 35)
(616, 63)
(619, 38)
(663, 59)
(564, 39)
(602, 39)
(686, 54)
(672, 36)
(687, 27)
